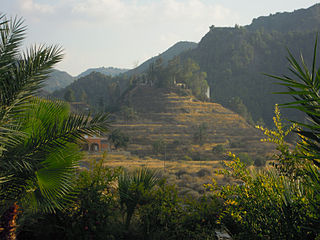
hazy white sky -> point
(124, 33)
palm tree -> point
(39, 138)
(134, 190)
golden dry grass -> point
(188, 176)
(175, 120)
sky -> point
(125, 33)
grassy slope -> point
(163, 114)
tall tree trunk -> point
(8, 223)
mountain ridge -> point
(234, 59)
(112, 71)
(57, 79)
(167, 55)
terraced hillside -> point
(180, 127)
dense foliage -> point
(143, 206)
(39, 138)
(96, 89)
(282, 202)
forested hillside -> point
(167, 55)
(236, 58)
(298, 20)
(57, 79)
(96, 89)
(232, 61)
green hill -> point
(57, 80)
(93, 89)
(298, 20)
(167, 55)
(236, 58)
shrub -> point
(170, 217)
(203, 172)
(196, 156)
(260, 161)
(180, 173)
(218, 149)
(119, 139)
(94, 213)
(134, 190)
(246, 159)
(268, 205)
(276, 204)
(238, 144)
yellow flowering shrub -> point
(266, 204)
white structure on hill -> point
(208, 92)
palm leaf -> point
(38, 137)
(305, 91)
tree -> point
(281, 202)
(38, 138)
(134, 190)
(304, 87)
(194, 78)
(118, 138)
(201, 133)
(84, 97)
(236, 104)
(128, 113)
(69, 95)
(159, 146)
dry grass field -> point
(188, 176)
(174, 119)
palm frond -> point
(27, 73)
(305, 91)
(54, 184)
(20, 76)
(38, 138)
(12, 33)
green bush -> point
(95, 212)
(219, 149)
(238, 144)
(246, 159)
(134, 190)
(203, 172)
(281, 203)
(196, 156)
(260, 161)
(119, 139)
(171, 217)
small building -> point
(96, 144)
(181, 85)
